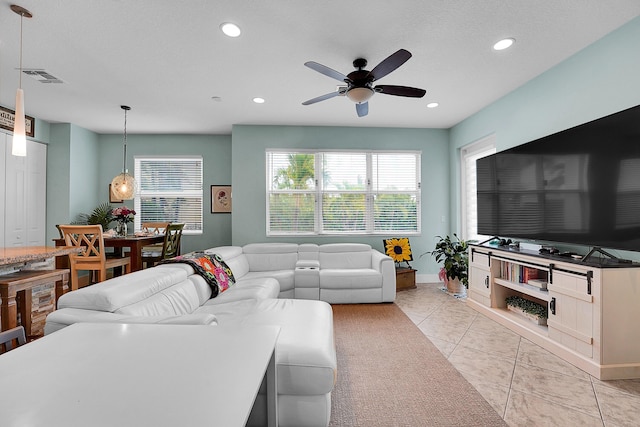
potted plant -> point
(532, 310)
(102, 215)
(455, 258)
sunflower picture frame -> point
(399, 249)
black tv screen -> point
(578, 186)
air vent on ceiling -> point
(42, 76)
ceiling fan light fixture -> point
(360, 94)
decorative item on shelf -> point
(399, 249)
(19, 147)
(532, 310)
(123, 185)
(455, 258)
(123, 215)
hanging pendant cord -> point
(124, 157)
(20, 80)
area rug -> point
(390, 374)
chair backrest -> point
(172, 236)
(154, 227)
(88, 237)
(7, 337)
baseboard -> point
(427, 278)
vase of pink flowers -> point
(123, 215)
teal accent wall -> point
(249, 177)
(72, 183)
(216, 154)
(601, 79)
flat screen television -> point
(578, 186)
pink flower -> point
(123, 214)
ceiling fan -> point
(360, 86)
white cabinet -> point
(593, 308)
(23, 193)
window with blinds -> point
(339, 192)
(469, 155)
(169, 189)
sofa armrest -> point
(385, 265)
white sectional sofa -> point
(173, 293)
(276, 284)
(338, 273)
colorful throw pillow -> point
(211, 268)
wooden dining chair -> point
(170, 246)
(7, 337)
(93, 258)
(154, 228)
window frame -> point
(318, 191)
(198, 195)
(480, 148)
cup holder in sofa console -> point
(307, 278)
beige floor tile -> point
(534, 355)
(493, 393)
(491, 368)
(443, 329)
(498, 343)
(445, 347)
(619, 408)
(570, 391)
(532, 411)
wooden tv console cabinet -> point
(594, 307)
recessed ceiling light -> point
(432, 105)
(258, 100)
(504, 44)
(231, 30)
(216, 98)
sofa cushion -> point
(122, 291)
(180, 298)
(345, 255)
(234, 258)
(356, 278)
(285, 278)
(305, 352)
(271, 256)
(261, 288)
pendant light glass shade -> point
(123, 185)
(19, 147)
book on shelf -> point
(538, 283)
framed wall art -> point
(220, 199)
(112, 197)
(8, 118)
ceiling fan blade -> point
(391, 63)
(323, 69)
(322, 97)
(412, 92)
(362, 109)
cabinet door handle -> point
(486, 282)
(552, 305)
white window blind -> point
(339, 192)
(469, 155)
(169, 189)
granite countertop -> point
(20, 254)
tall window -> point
(469, 155)
(340, 192)
(169, 189)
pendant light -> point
(123, 185)
(19, 146)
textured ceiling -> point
(168, 58)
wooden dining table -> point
(134, 243)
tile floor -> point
(527, 385)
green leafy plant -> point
(453, 253)
(528, 306)
(102, 214)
